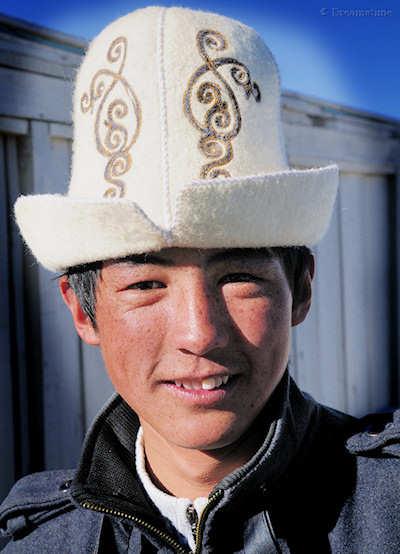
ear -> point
(83, 324)
(302, 293)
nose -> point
(201, 325)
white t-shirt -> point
(171, 507)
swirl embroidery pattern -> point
(113, 139)
(222, 120)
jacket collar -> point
(286, 419)
(106, 473)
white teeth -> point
(214, 382)
(206, 384)
(209, 383)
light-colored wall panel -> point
(34, 96)
(61, 363)
(318, 357)
(365, 291)
(97, 387)
(329, 307)
(341, 352)
(376, 282)
(14, 126)
(37, 57)
(352, 152)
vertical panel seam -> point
(317, 288)
(163, 119)
(11, 464)
(396, 292)
(393, 253)
(342, 302)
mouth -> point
(208, 383)
(205, 391)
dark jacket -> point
(318, 484)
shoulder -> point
(373, 441)
(377, 449)
(363, 472)
(379, 436)
(368, 516)
(38, 514)
(374, 436)
(36, 493)
(366, 451)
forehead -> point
(175, 257)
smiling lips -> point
(208, 383)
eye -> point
(240, 278)
(146, 285)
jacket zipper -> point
(164, 536)
(146, 525)
(199, 531)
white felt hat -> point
(177, 142)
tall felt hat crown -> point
(177, 142)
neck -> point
(189, 473)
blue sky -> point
(322, 51)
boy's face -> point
(175, 325)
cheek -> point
(261, 319)
(131, 345)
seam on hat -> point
(163, 119)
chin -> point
(207, 436)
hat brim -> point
(288, 208)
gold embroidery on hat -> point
(113, 139)
(222, 121)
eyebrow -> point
(151, 259)
(232, 254)
(238, 254)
